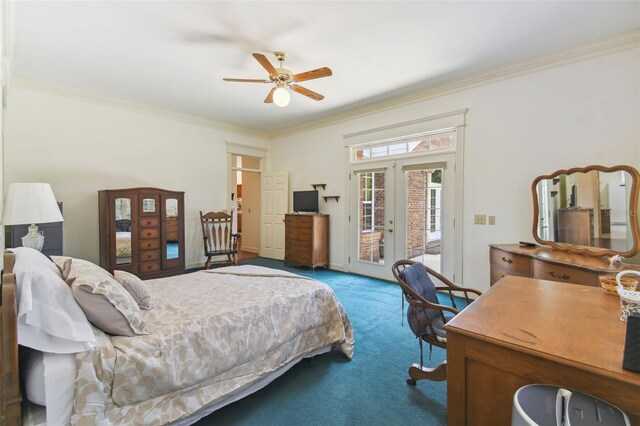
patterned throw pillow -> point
(106, 303)
(136, 287)
(64, 265)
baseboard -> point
(197, 265)
(337, 267)
(250, 249)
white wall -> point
(81, 147)
(575, 115)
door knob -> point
(390, 230)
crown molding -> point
(607, 46)
(617, 43)
(20, 82)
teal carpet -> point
(370, 389)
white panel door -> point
(275, 204)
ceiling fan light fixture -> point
(281, 97)
(283, 80)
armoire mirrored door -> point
(172, 231)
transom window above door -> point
(406, 146)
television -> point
(305, 201)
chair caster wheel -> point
(411, 382)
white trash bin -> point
(546, 405)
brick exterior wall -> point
(419, 205)
(417, 211)
(371, 243)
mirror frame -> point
(593, 251)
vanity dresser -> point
(545, 263)
(582, 216)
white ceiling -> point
(174, 54)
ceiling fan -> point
(283, 78)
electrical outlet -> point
(480, 219)
(491, 220)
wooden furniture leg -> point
(437, 374)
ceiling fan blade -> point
(265, 63)
(244, 80)
(269, 98)
(306, 92)
(310, 75)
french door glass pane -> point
(371, 217)
(424, 224)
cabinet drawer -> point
(148, 233)
(171, 227)
(300, 258)
(298, 234)
(513, 264)
(497, 274)
(551, 272)
(299, 221)
(149, 266)
(149, 222)
(298, 245)
(149, 244)
(147, 255)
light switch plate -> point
(480, 219)
(491, 220)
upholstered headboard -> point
(10, 397)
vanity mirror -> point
(591, 211)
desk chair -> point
(426, 316)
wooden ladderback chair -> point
(219, 239)
(426, 315)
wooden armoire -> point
(142, 231)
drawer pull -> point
(504, 259)
(563, 276)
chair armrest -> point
(463, 289)
(422, 303)
(454, 288)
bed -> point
(211, 338)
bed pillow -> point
(49, 318)
(106, 303)
(136, 287)
(64, 265)
(32, 367)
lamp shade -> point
(28, 203)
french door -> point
(403, 209)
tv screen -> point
(305, 201)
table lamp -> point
(31, 203)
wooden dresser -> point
(142, 231)
(548, 264)
(306, 240)
(524, 331)
(575, 226)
